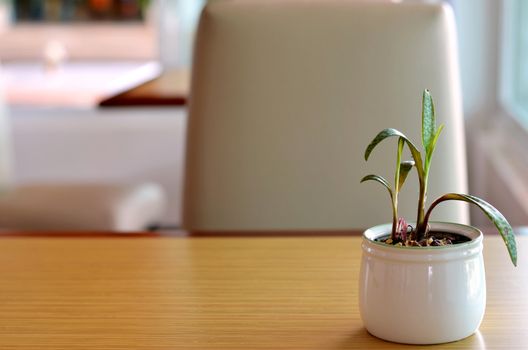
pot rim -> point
(471, 232)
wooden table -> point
(171, 88)
(161, 292)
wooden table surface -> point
(109, 292)
(171, 88)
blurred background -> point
(77, 52)
(95, 91)
(61, 61)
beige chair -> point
(287, 94)
(73, 206)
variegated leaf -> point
(428, 121)
(500, 222)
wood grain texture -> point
(215, 293)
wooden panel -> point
(215, 293)
(171, 88)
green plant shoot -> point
(430, 135)
(402, 170)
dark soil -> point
(432, 239)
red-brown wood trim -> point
(122, 100)
(82, 234)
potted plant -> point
(424, 282)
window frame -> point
(509, 59)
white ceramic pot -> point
(419, 295)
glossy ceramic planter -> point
(420, 295)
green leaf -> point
(433, 144)
(405, 168)
(428, 121)
(382, 135)
(379, 179)
(401, 144)
(500, 222)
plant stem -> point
(428, 214)
(421, 222)
(394, 220)
(401, 143)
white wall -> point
(177, 23)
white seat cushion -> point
(82, 207)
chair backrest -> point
(287, 94)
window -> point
(514, 65)
(86, 29)
(43, 11)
